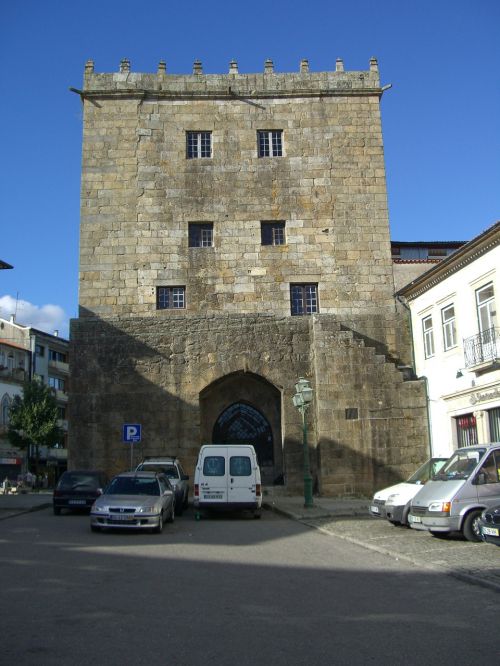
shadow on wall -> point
(165, 374)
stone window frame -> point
(270, 143)
(304, 299)
(198, 144)
(200, 234)
(171, 297)
(272, 232)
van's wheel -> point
(171, 516)
(470, 527)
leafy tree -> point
(33, 418)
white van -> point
(227, 476)
(453, 501)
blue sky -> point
(440, 119)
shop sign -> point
(483, 397)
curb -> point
(473, 579)
(20, 512)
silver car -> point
(134, 500)
(172, 468)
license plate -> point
(77, 502)
(210, 497)
(490, 531)
(121, 518)
(374, 509)
(414, 519)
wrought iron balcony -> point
(482, 349)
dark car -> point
(489, 525)
(78, 490)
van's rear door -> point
(213, 476)
(241, 480)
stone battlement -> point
(303, 83)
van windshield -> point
(428, 471)
(460, 465)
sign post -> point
(131, 433)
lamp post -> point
(302, 399)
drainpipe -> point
(426, 381)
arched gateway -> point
(244, 408)
(243, 424)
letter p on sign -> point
(131, 433)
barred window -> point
(270, 143)
(198, 144)
(272, 233)
(304, 299)
(170, 298)
(201, 234)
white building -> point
(27, 353)
(456, 339)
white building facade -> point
(27, 353)
(456, 336)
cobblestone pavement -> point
(475, 562)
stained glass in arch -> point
(243, 424)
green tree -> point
(33, 418)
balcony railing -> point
(482, 348)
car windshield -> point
(133, 485)
(74, 481)
(460, 465)
(427, 471)
(170, 471)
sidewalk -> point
(13, 505)
(324, 507)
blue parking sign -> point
(131, 433)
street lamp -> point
(302, 399)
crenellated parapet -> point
(304, 82)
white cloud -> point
(47, 318)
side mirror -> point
(168, 492)
(480, 479)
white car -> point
(393, 502)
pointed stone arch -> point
(245, 407)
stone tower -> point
(234, 237)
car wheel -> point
(94, 528)
(171, 517)
(470, 528)
(186, 501)
(159, 528)
(180, 505)
(57, 511)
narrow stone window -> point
(272, 233)
(198, 144)
(351, 413)
(201, 234)
(170, 298)
(304, 299)
(270, 143)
